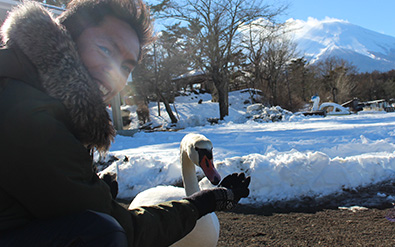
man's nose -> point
(118, 78)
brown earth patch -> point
(313, 222)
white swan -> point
(329, 108)
(194, 149)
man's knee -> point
(100, 220)
(88, 229)
(102, 230)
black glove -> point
(231, 190)
(111, 181)
(238, 183)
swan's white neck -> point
(316, 101)
(189, 177)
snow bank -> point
(291, 159)
(290, 175)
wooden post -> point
(116, 112)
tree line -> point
(239, 44)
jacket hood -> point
(50, 48)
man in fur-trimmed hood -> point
(56, 76)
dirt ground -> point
(312, 222)
(323, 228)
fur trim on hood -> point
(51, 49)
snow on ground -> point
(290, 159)
(192, 113)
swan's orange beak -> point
(209, 170)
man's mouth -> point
(103, 90)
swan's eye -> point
(197, 149)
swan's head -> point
(315, 98)
(200, 151)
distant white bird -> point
(195, 149)
(329, 108)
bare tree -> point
(164, 61)
(255, 36)
(336, 78)
(214, 26)
(298, 76)
(270, 50)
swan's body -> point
(335, 109)
(206, 231)
(194, 149)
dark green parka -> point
(51, 116)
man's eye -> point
(105, 50)
(127, 69)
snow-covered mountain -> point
(366, 49)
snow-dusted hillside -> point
(366, 49)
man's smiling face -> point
(110, 52)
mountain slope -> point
(366, 49)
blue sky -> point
(376, 15)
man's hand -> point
(231, 190)
(238, 183)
